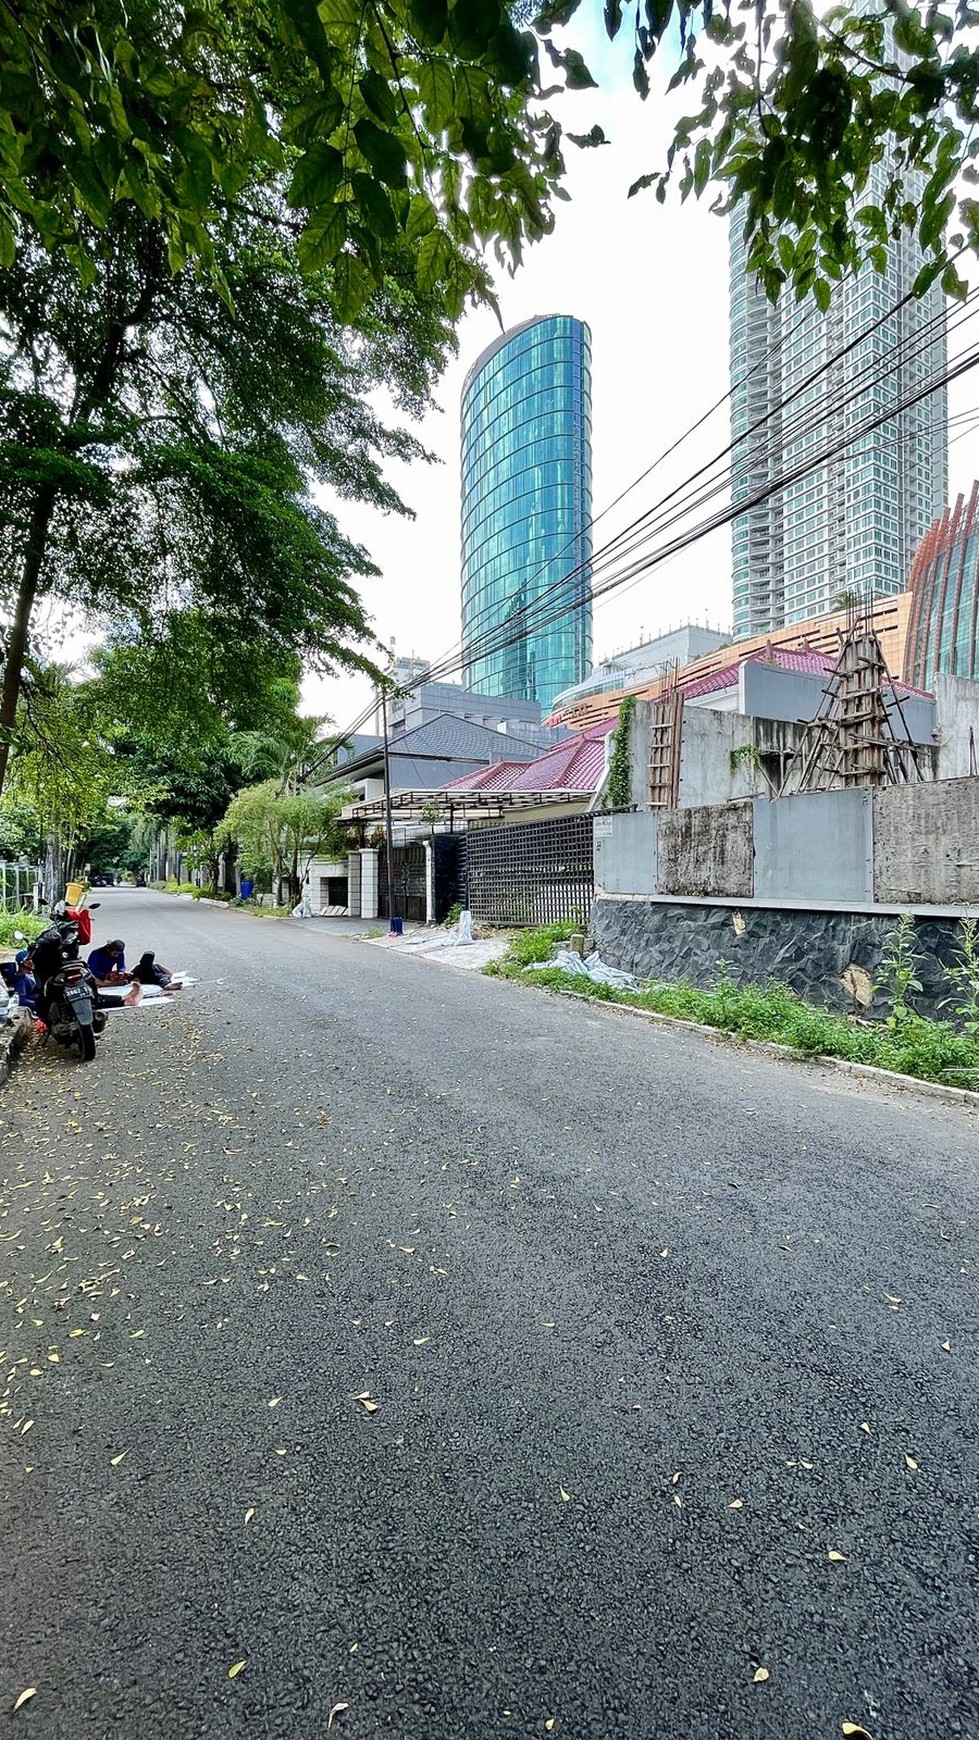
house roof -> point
(575, 765)
(448, 738)
(805, 661)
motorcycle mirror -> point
(94, 905)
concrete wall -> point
(913, 845)
(815, 846)
(625, 852)
(707, 851)
(957, 710)
(926, 843)
(769, 692)
(711, 771)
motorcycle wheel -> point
(86, 1041)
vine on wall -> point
(619, 787)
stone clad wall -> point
(808, 951)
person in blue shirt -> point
(18, 977)
(108, 964)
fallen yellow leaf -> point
(549, 1725)
(29, 1692)
(422, 1340)
(235, 1669)
(855, 1731)
(836, 1558)
(114, 1461)
(736, 1504)
(909, 1461)
(761, 1674)
(864, 1426)
(25, 1428)
(280, 1450)
(249, 1514)
(946, 1347)
(566, 1496)
(335, 1712)
(892, 1298)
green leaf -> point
(952, 284)
(436, 87)
(351, 287)
(595, 136)
(508, 56)
(421, 217)
(8, 242)
(555, 12)
(313, 119)
(316, 177)
(383, 151)
(822, 293)
(434, 259)
(375, 207)
(640, 76)
(701, 165)
(613, 17)
(323, 237)
(341, 15)
(473, 24)
(379, 97)
(429, 21)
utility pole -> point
(387, 814)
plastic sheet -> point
(593, 968)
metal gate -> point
(410, 899)
(532, 873)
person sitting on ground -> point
(108, 964)
(149, 971)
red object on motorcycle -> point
(73, 972)
(83, 919)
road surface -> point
(469, 1363)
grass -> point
(907, 1044)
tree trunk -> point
(13, 668)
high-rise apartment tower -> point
(852, 524)
(526, 511)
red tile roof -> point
(574, 765)
(805, 660)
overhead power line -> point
(685, 499)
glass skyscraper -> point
(943, 627)
(854, 521)
(526, 510)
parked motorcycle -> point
(67, 999)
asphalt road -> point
(669, 1350)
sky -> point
(651, 281)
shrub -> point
(31, 923)
(907, 1043)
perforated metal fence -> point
(531, 872)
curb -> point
(12, 1040)
(838, 1065)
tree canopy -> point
(158, 449)
(432, 124)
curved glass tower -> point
(526, 508)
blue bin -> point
(247, 888)
(397, 927)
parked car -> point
(103, 881)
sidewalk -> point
(432, 943)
